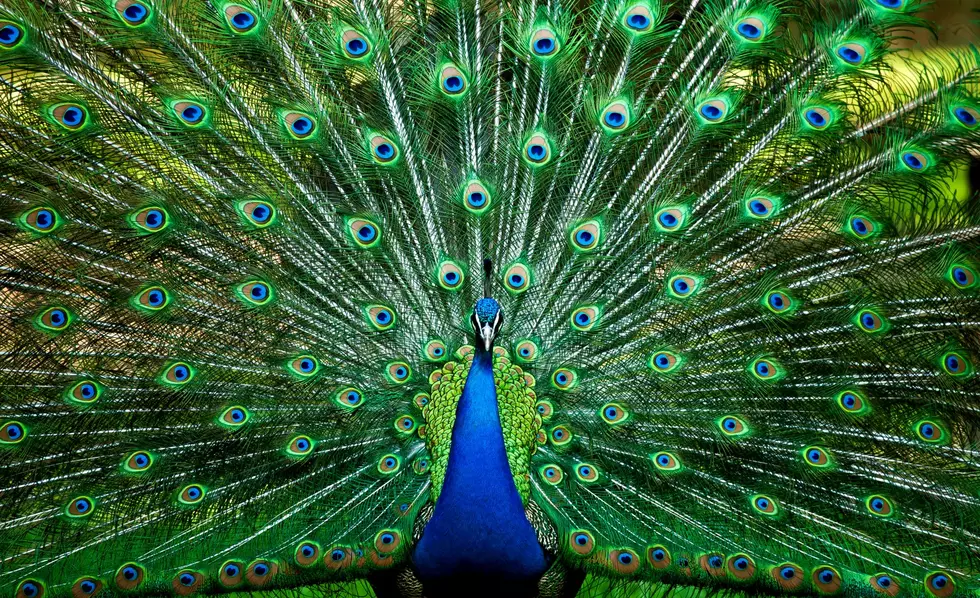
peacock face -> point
(487, 319)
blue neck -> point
(479, 526)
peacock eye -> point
(151, 220)
(581, 542)
(884, 583)
(231, 573)
(586, 236)
(682, 286)
(452, 81)
(450, 276)
(765, 369)
(517, 278)
(916, 161)
(940, 585)
(788, 576)
(257, 213)
(354, 45)
(638, 18)
(851, 402)
(552, 474)
(303, 366)
(476, 197)
(11, 35)
(560, 435)
(962, 276)
(81, 506)
(177, 374)
(191, 494)
(41, 220)
(526, 350)
(614, 413)
(816, 457)
(256, 292)
(12, 432)
(869, 321)
(827, 579)
(54, 319)
(234, 417)
(404, 424)
(544, 42)
(879, 505)
(240, 19)
(389, 464)
(151, 299)
(70, 116)
(387, 541)
(86, 391)
(537, 150)
(764, 505)
(381, 317)
(86, 586)
(365, 233)
(751, 29)
(399, 372)
(818, 117)
(852, 53)
(968, 116)
(861, 227)
(383, 150)
(732, 426)
(435, 350)
(659, 557)
(133, 12)
(564, 379)
(778, 302)
(665, 461)
(300, 446)
(129, 576)
(713, 111)
(299, 125)
(186, 582)
(670, 219)
(741, 566)
(760, 207)
(138, 462)
(616, 117)
(930, 431)
(664, 362)
(585, 318)
(190, 113)
(307, 554)
(955, 364)
(350, 398)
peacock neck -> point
(479, 528)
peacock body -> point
(473, 298)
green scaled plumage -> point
(240, 243)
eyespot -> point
(892, 4)
(788, 576)
(666, 461)
(261, 572)
(713, 111)
(405, 424)
(861, 227)
(350, 398)
(741, 566)
(177, 373)
(191, 494)
(852, 53)
(552, 474)
(234, 417)
(826, 579)
(765, 369)
(670, 219)
(11, 35)
(256, 292)
(421, 465)
(545, 409)
(714, 564)
(86, 586)
(815, 456)
(582, 542)
(564, 379)
(132, 12)
(190, 113)
(452, 81)
(231, 573)
(818, 117)
(560, 435)
(304, 366)
(151, 220)
(869, 321)
(129, 576)
(879, 505)
(732, 426)
(54, 319)
(585, 318)
(664, 362)
(760, 207)
(683, 563)
(778, 302)
(962, 276)
(365, 233)
(851, 401)
(526, 351)
(259, 214)
(682, 286)
(624, 561)
(764, 505)
(751, 29)
(955, 364)
(450, 276)
(383, 150)
(940, 584)
(339, 557)
(537, 150)
(544, 42)
(389, 464)
(930, 431)
(380, 316)
(299, 125)
(387, 541)
(138, 462)
(613, 413)
(421, 400)
(586, 472)
(638, 18)
(476, 197)
(70, 116)
(915, 160)
(884, 583)
(435, 350)
(517, 278)
(399, 372)
(307, 554)
(85, 392)
(12, 432)
(81, 506)
(300, 446)
(354, 45)
(616, 117)
(658, 556)
(968, 116)
(187, 582)
(586, 236)
(152, 299)
(240, 19)
(40, 220)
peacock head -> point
(487, 319)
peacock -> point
(469, 298)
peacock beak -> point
(486, 335)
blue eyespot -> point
(749, 30)
(659, 554)
(758, 208)
(814, 455)
(141, 460)
(584, 237)
(232, 570)
(181, 373)
(762, 503)
(715, 562)
(383, 316)
(741, 563)
(476, 199)
(730, 424)
(966, 116)
(615, 119)
(849, 400)
(130, 573)
(891, 3)
(544, 45)
(939, 581)
(87, 586)
(186, 579)
(384, 151)
(240, 18)
(10, 34)
(581, 539)
(536, 152)
(302, 125)
(667, 219)
(30, 589)
(816, 119)
(338, 555)
(72, 116)
(787, 572)
(860, 226)
(259, 292)
(192, 114)
(851, 53)
(44, 219)
(625, 558)
(453, 84)
(663, 460)
(711, 112)
(135, 13)
(762, 368)
(913, 160)
(582, 318)
(307, 550)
